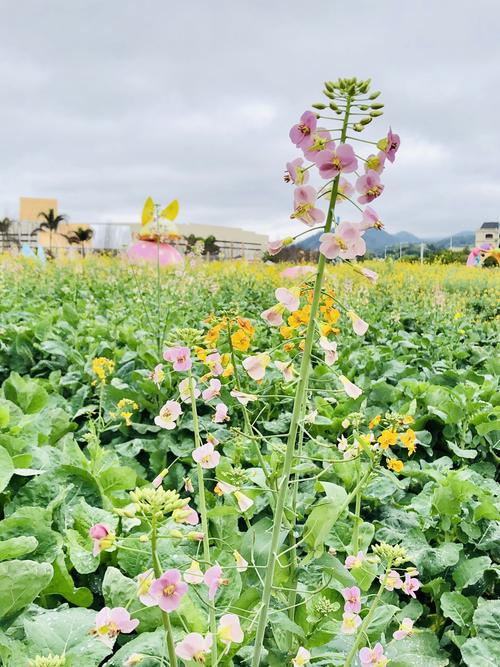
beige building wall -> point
(488, 235)
(30, 207)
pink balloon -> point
(146, 251)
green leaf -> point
(27, 394)
(62, 584)
(118, 590)
(21, 581)
(487, 619)
(80, 552)
(6, 468)
(148, 644)
(117, 478)
(470, 571)
(31, 521)
(419, 650)
(66, 631)
(365, 574)
(380, 620)
(456, 606)
(16, 547)
(479, 652)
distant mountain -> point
(377, 240)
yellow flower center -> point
(169, 590)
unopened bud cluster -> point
(324, 607)
(48, 661)
(185, 336)
(396, 555)
(156, 503)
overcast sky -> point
(107, 101)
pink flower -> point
(213, 579)
(179, 357)
(288, 298)
(410, 585)
(393, 580)
(370, 220)
(103, 538)
(360, 327)
(273, 315)
(350, 389)
(330, 347)
(242, 397)
(144, 582)
(286, 368)
(304, 199)
(185, 390)
(169, 413)
(220, 415)
(375, 162)
(206, 456)
(404, 630)
(334, 160)
(221, 488)
(213, 361)
(346, 242)
(373, 657)
(212, 390)
(193, 575)
(354, 561)
(371, 275)
(320, 140)
(244, 502)
(158, 480)
(187, 515)
(295, 173)
(256, 366)
(352, 597)
(302, 658)
(300, 134)
(389, 145)
(157, 375)
(194, 647)
(241, 563)
(275, 247)
(110, 622)
(350, 623)
(229, 629)
(369, 186)
(168, 590)
(345, 189)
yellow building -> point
(30, 209)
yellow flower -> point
(288, 347)
(374, 422)
(240, 340)
(246, 325)
(213, 334)
(408, 419)
(286, 332)
(387, 438)
(395, 465)
(409, 441)
(102, 367)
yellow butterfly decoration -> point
(148, 211)
(171, 211)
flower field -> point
(143, 439)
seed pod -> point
(319, 106)
(374, 95)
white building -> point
(489, 233)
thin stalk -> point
(203, 513)
(164, 615)
(357, 512)
(367, 619)
(158, 283)
(292, 436)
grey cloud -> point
(107, 102)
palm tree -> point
(79, 237)
(50, 223)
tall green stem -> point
(203, 513)
(292, 435)
(367, 619)
(164, 615)
(357, 513)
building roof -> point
(490, 225)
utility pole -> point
(421, 253)
(451, 242)
(400, 249)
(385, 252)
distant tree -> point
(211, 247)
(50, 223)
(79, 237)
(7, 239)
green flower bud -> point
(329, 86)
(374, 95)
(377, 105)
(357, 127)
(395, 555)
(176, 534)
(319, 105)
(375, 114)
(364, 107)
(48, 661)
(365, 121)
(334, 106)
(156, 502)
